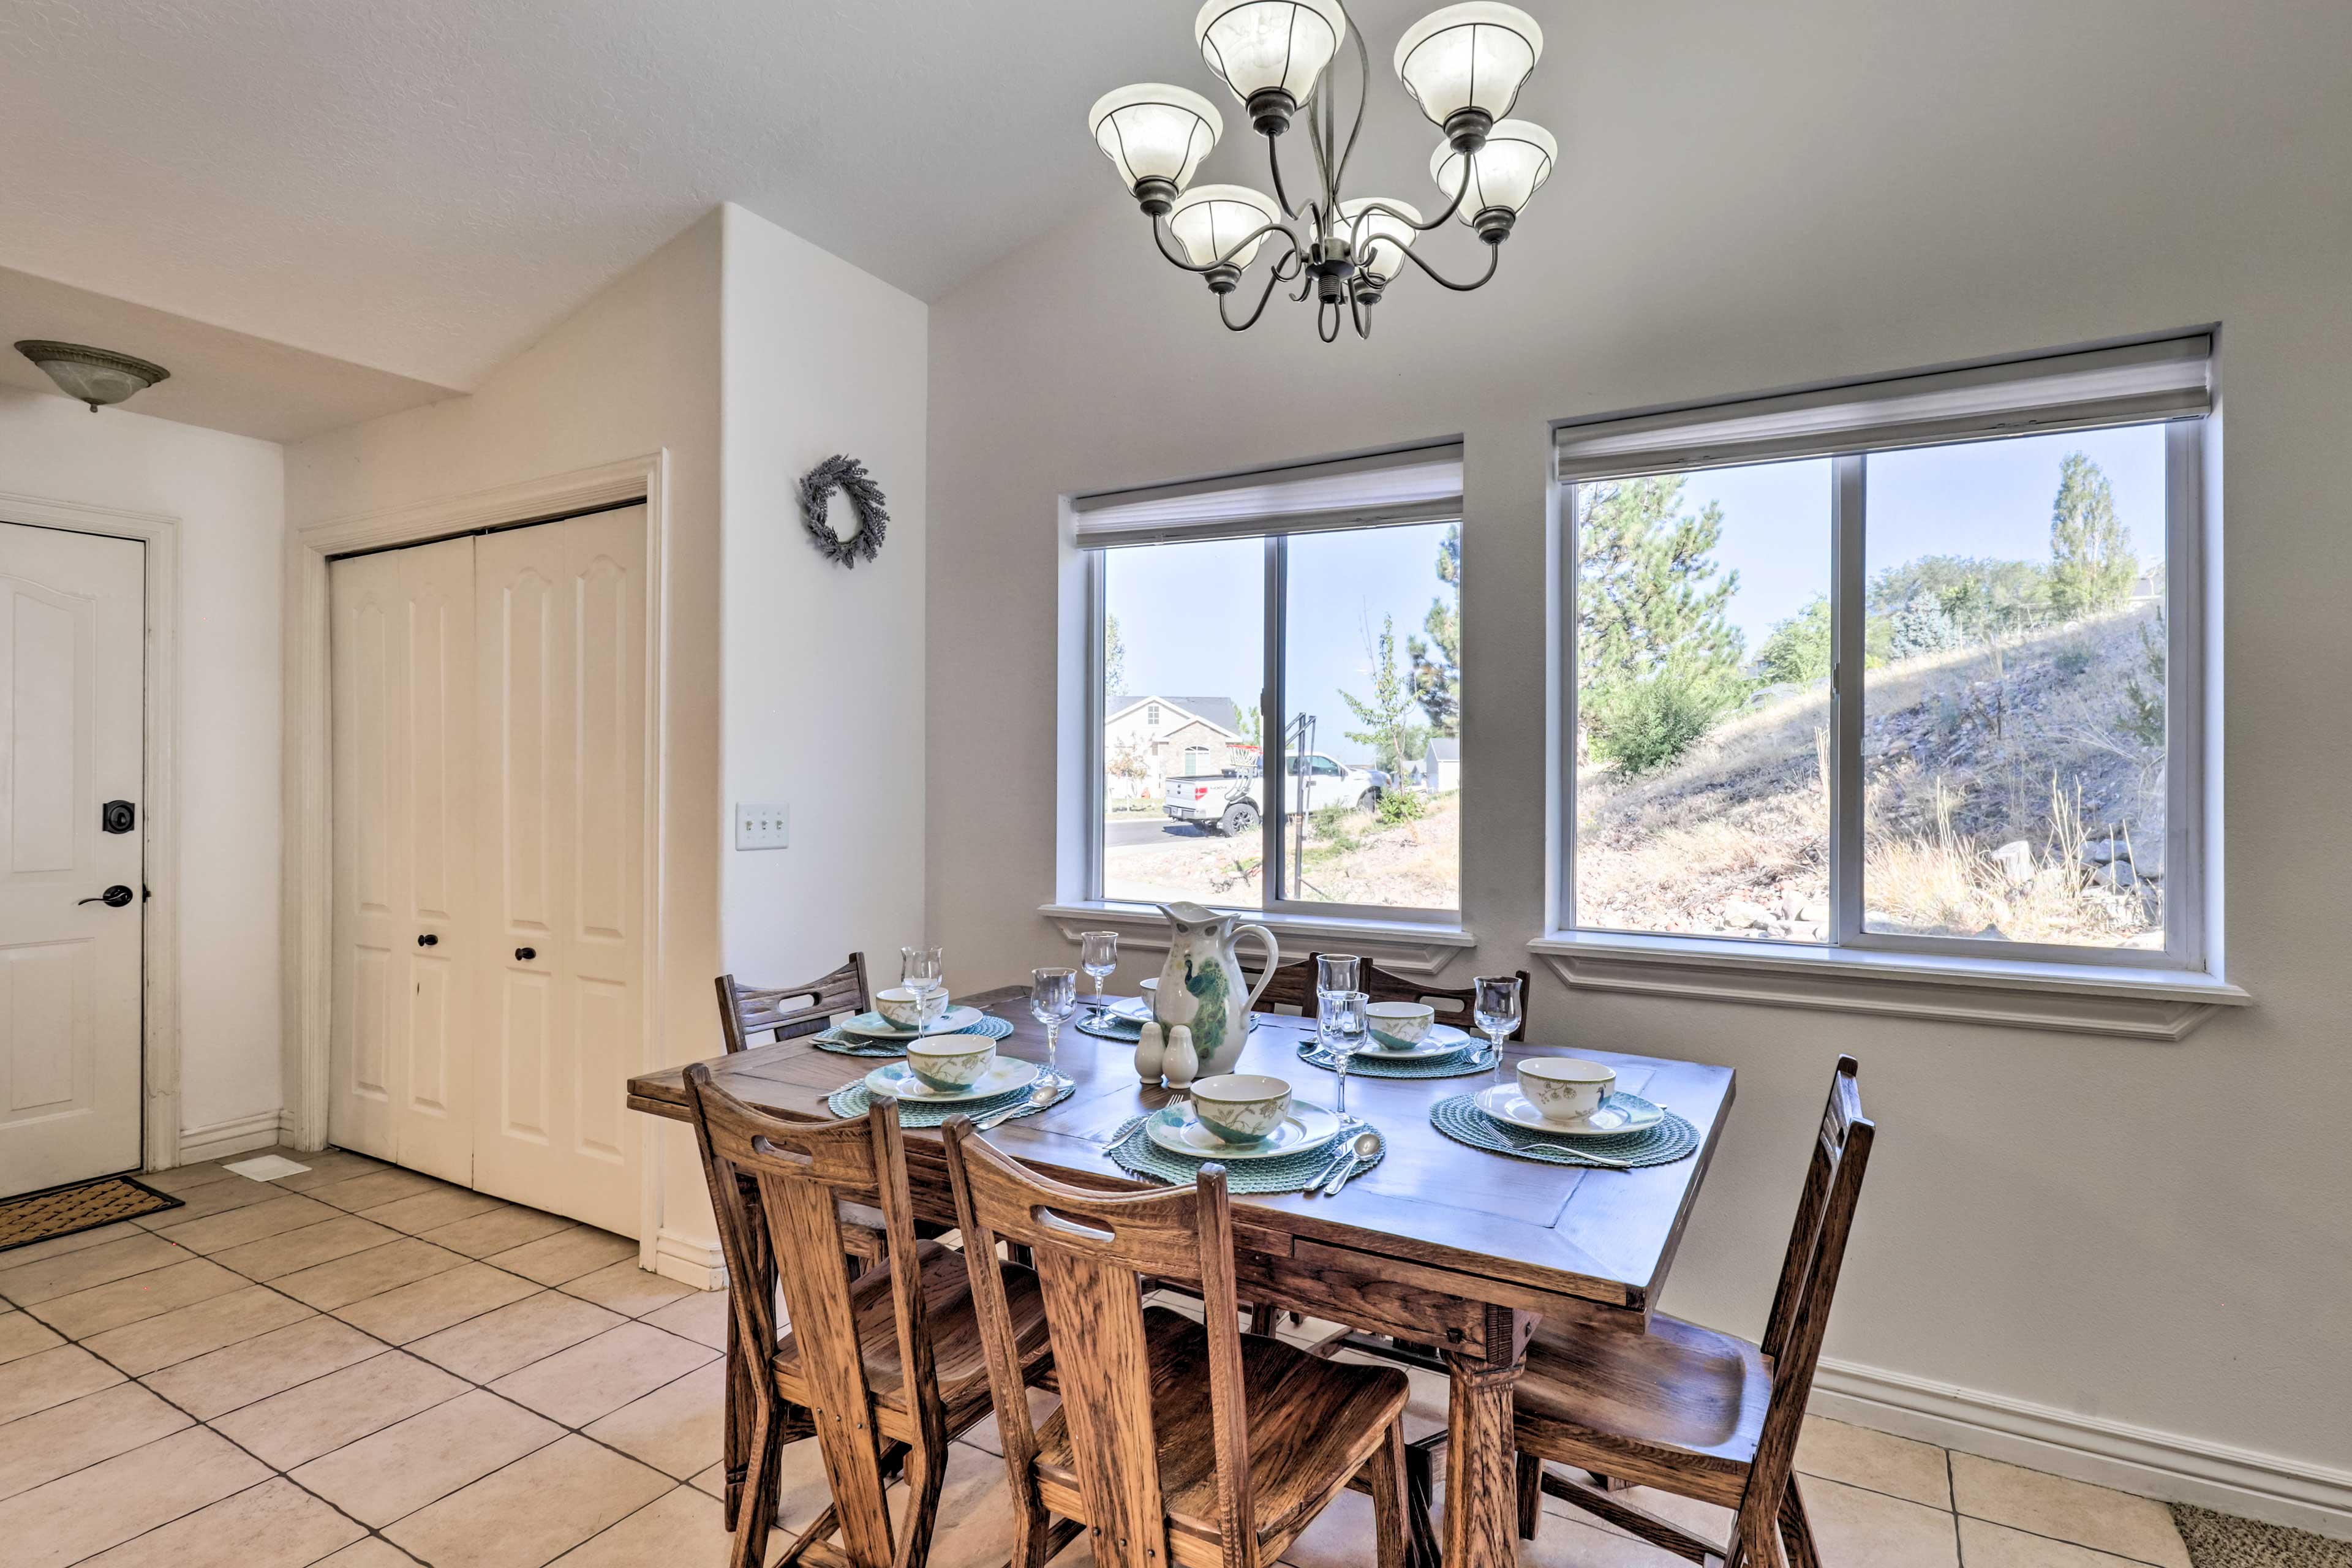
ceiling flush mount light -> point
(95, 376)
(1465, 65)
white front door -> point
(72, 715)
(403, 1037)
(562, 637)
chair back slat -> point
(1293, 985)
(1093, 1251)
(788, 1012)
(778, 1187)
(1808, 1278)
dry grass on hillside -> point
(1409, 864)
(1963, 754)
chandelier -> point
(1463, 65)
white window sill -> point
(1407, 947)
(2138, 1003)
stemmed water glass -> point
(1099, 954)
(1336, 974)
(1495, 1007)
(1052, 997)
(923, 971)
(1344, 1022)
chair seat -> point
(1681, 1398)
(957, 1358)
(1312, 1424)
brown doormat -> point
(2225, 1540)
(62, 1211)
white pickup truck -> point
(1233, 802)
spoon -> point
(1367, 1141)
(1041, 1094)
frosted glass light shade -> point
(1255, 44)
(1474, 55)
(1209, 220)
(1381, 237)
(1510, 168)
(1154, 131)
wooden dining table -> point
(1440, 1245)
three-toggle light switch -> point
(763, 827)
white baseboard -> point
(689, 1260)
(235, 1136)
(2130, 1459)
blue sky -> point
(1193, 615)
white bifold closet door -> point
(490, 792)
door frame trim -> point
(159, 1059)
(308, 994)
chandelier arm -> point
(1363, 91)
(1273, 279)
(1494, 256)
(1328, 311)
(1274, 158)
(1363, 322)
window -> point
(1911, 666)
(1327, 596)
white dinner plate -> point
(1442, 1040)
(1307, 1126)
(1618, 1113)
(874, 1026)
(1134, 1009)
(897, 1080)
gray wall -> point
(1750, 198)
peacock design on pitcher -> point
(1202, 978)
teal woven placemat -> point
(1471, 1059)
(1459, 1118)
(1110, 1028)
(847, 1045)
(1134, 1151)
(854, 1098)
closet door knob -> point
(526, 954)
(428, 940)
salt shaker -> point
(1150, 1053)
(1178, 1063)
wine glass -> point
(1343, 1025)
(1099, 954)
(1336, 974)
(1495, 1005)
(1052, 997)
(923, 971)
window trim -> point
(2146, 992)
(1272, 700)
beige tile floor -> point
(361, 1367)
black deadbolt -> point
(526, 954)
(114, 898)
(117, 816)
(428, 940)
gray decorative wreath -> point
(848, 476)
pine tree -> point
(2092, 566)
(1437, 663)
(1387, 725)
(1658, 660)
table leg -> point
(1481, 1478)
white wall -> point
(633, 372)
(823, 705)
(1752, 198)
(229, 494)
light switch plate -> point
(763, 827)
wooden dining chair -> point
(886, 1368)
(1696, 1413)
(1293, 985)
(1454, 1004)
(788, 1012)
(1135, 1454)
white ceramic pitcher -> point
(1202, 987)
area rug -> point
(2225, 1540)
(61, 1211)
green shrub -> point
(1647, 724)
(2072, 661)
(1402, 805)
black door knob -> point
(114, 898)
(526, 954)
(428, 940)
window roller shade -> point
(2172, 379)
(1423, 485)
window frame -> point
(1272, 700)
(2189, 944)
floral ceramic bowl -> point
(1399, 1026)
(1241, 1107)
(949, 1062)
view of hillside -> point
(2013, 760)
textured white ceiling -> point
(423, 187)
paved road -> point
(1124, 832)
